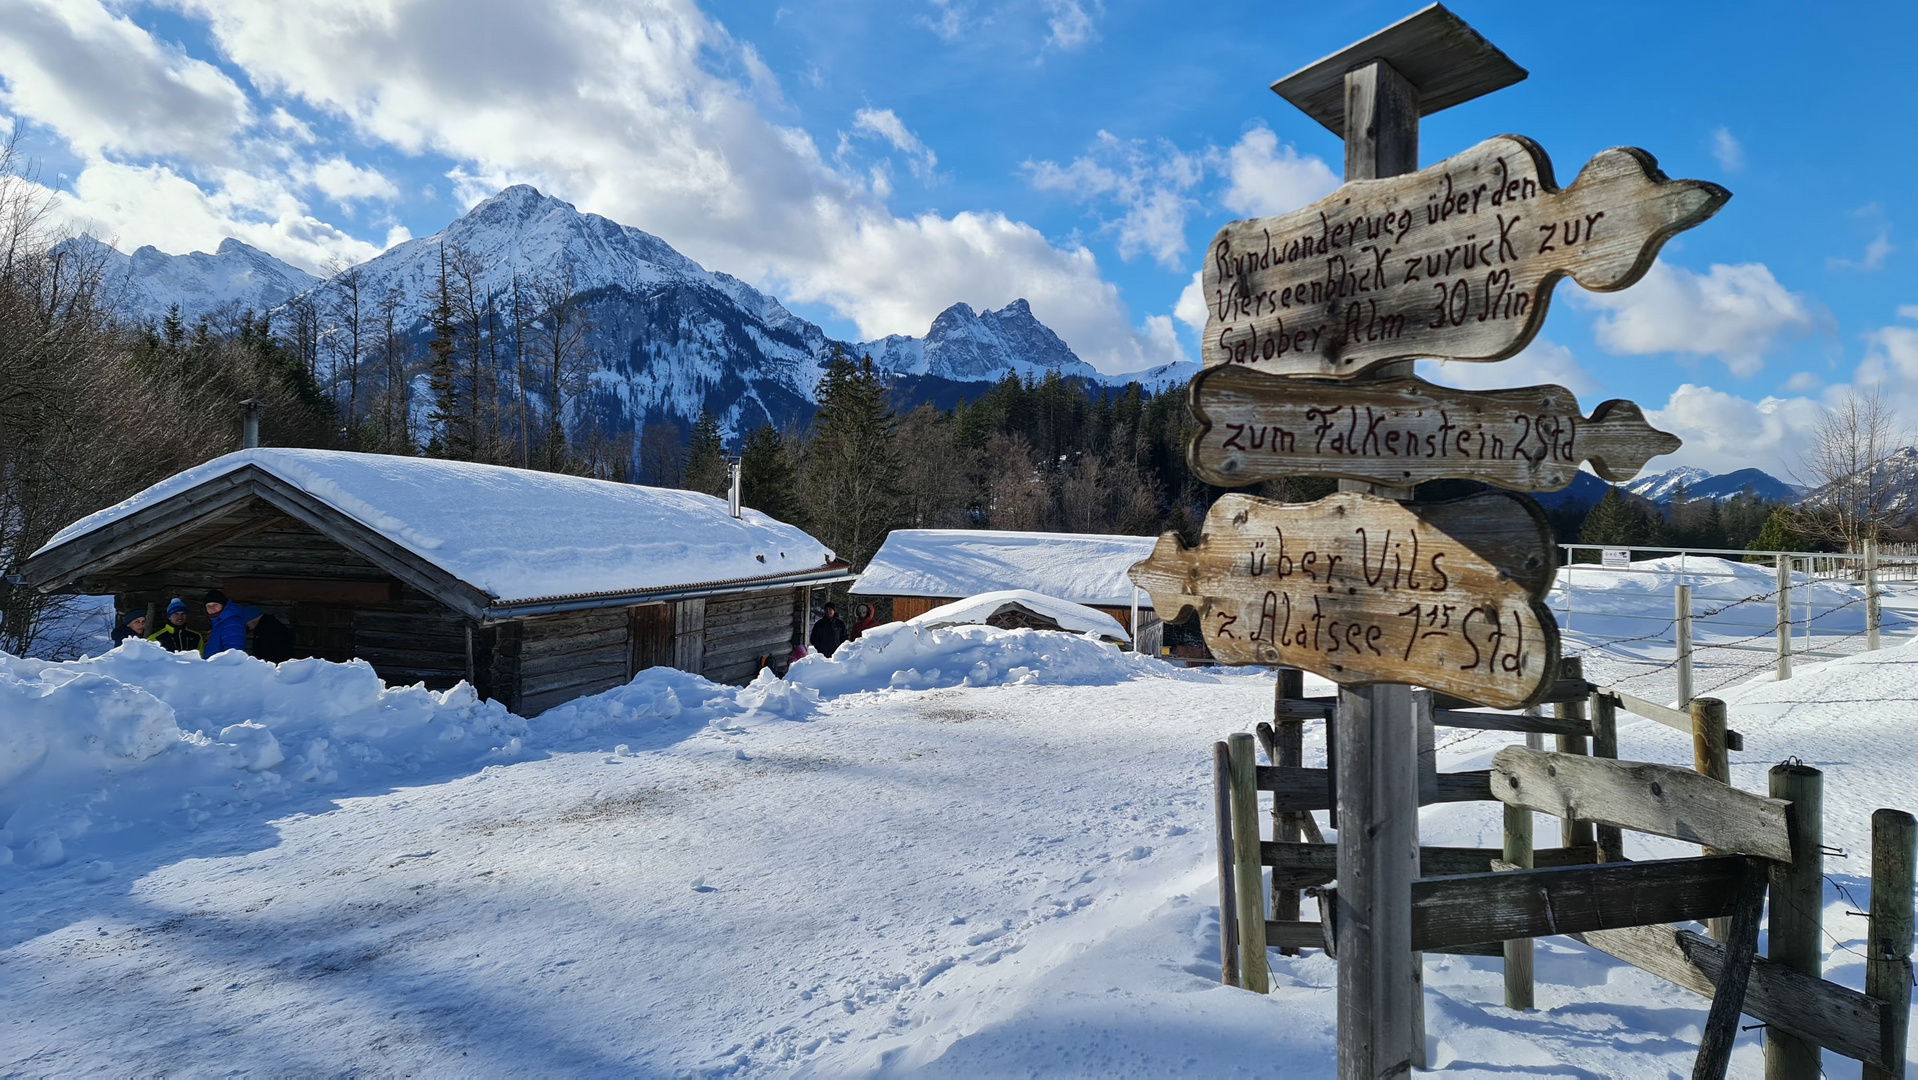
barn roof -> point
(1085, 568)
(508, 536)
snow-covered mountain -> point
(1660, 488)
(236, 277)
(667, 336)
(968, 346)
(1892, 484)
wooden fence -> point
(1495, 901)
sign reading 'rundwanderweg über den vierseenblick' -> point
(1362, 589)
(1456, 260)
(1254, 426)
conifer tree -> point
(442, 378)
(766, 479)
(1617, 521)
(706, 468)
(852, 469)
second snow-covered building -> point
(535, 587)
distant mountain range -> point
(1660, 489)
(668, 336)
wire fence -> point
(1732, 619)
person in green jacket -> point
(174, 635)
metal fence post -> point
(1684, 643)
(1784, 616)
(1871, 595)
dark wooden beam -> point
(1296, 789)
(1503, 905)
(1483, 721)
(311, 590)
(140, 531)
(1302, 866)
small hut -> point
(918, 570)
(535, 587)
(1020, 609)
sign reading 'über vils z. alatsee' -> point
(1364, 589)
(1254, 426)
(1457, 260)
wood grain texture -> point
(1457, 260)
(1366, 590)
(1836, 1017)
(1795, 933)
(1657, 799)
(1728, 997)
(1256, 426)
(1303, 865)
(1894, 836)
(1305, 790)
(1502, 905)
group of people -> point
(830, 632)
(227, 627)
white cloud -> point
(1736, 313)
(1269, 178)
(138, 205)
(1725, 433)
(948, 21)
(1191, 308)
(343, 181)
(1540, 362)
(106, 85)
(886, 124)
(1148, 182)
(1877, 250)
(1728, 151)
(1071, 24)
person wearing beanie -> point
(175, 635)
(230, 623)
(133, 626)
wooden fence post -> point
(1573, 833)
(1248, 878)
(1888, 941)
(1683, 641)
(1796, 926)
(1871, 595)
(1518, 852)
(1287, 750)
(1604, 712)
(1784, 616)
(1710, 757)
(1228, 894)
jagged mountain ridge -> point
(669, 337)
(144, 285)
(1661, 488)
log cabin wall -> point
(562, 657)
(742, 628)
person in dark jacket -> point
(230, 623)
(134, 626)
(175, 635)
(829, 632)
(272, 639)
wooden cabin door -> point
(652, 636)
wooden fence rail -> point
(1494, 901)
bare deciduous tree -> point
(1855, 495)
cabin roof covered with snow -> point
(509, 536)
(1085, 568)
(1072, 618)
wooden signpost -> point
(1254, 426)
(1457, 260)
(1362, 590)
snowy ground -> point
(961, 853)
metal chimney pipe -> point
(732, 493)
(250, 423)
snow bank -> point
(1075, 618)
(518, 534)
(141, 742)
(1084, 568)
(1729, 600)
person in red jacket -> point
(864, 620)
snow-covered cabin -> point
(922, 569)
(536, 587)
(1011, 609)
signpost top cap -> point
(1434, 49)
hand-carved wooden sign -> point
(1362, 589)
(1457, 260)
(1255, 426)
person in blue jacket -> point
(230, 623)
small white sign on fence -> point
(1620, 557)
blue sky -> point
(872, 163)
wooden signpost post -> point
(1254, 426)
(1315, 319)
(1362, 590)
